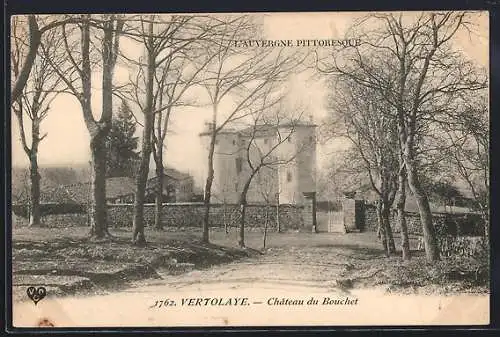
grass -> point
(417, 275)
(62, 257)
(41, 250)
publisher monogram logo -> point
(36, 294)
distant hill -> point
(51, 176)
(55, 176)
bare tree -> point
(263, 141)
(361, 116)
(400, 206)
(241, 75)
(466, 145)
(269, 192)
(164, 39)
(81, 54)
(174, 78)
(34, 102)
(410, 60)
(345, 173)
(32, 40)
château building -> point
(291, 169)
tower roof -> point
(270, 129)
(261, 130)
(221, 132)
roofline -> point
(207, 133)
(311, 125)
(188, 176)
(239, 132)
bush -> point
(464, 246)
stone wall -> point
(444, 223)
(191, 215)
(55, 220)
(47, 209)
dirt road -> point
(293, 283)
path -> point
(288, 273)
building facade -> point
(288, 151)
(177, 187)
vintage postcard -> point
(250, 169)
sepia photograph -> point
(250, 169)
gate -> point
(336, 222)
(330, 216)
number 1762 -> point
(163, 303)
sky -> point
(67, 141)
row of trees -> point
(413, 108)
(182, 57)
(406, 98)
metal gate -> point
(330, 217)
(336, 222)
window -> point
(265, 140)
(236, 187)
(216, 141)
(289, 176)
(234, 142)
(290, 138)
(238, 165)
(311, 139)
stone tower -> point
(225, 184)
(290, 180)
(299, 175)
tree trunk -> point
(278, 226)
(430, 240)
(159, 189)
(386, 220)
(34, 43)
(208, 187)
(138, 237)
(99, 131)
(400, 204)
(98, 211)
(206, 200)
(241, 240)
(34, 175)
(224, 216)
(35, 187)
(265, 227)
(243, 206)
(381, 227)
(392, 245)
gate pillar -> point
(310, 210)
(353, 214)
